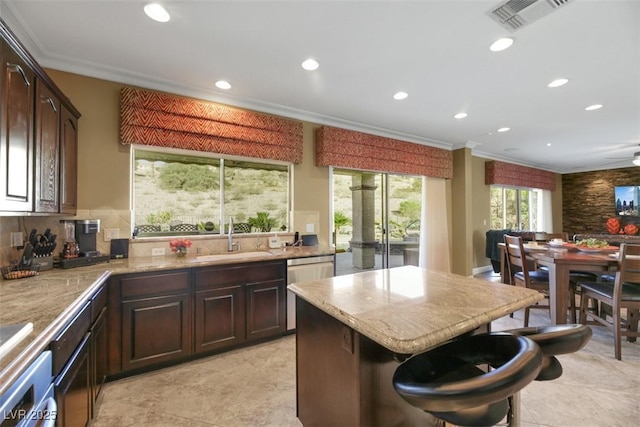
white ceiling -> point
(437, 51)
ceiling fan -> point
(635, 159)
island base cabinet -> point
(73, 390)
(344, 378)
(220, 320)
(155, 330)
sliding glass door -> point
(376, 220)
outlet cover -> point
(157, 251)
(17, 239)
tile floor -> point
(256, 387)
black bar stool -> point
(450, 382)
(555, 340)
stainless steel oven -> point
(29, 401)
(302, 270)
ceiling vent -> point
(514, 14)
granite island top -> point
(408, 309)
(50, 299)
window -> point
(176, 193)
(515, 208)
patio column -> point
(363, 242)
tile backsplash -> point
(120, 222)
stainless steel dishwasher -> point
(302, 270)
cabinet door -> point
(99, 350)
(16, 133)
(155, 329)
(68, 162)
(220, 320)
(266, 304)
(72, 389)
(47, 149)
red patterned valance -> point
(153, 118)
(502, 173)
(357, 150)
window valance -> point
(501, 173)
(164, 120)
(357, 150)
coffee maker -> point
(86, 234)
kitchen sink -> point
(230, 255)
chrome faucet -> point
(231, 243)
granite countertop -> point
(409, 309)
(50, 299)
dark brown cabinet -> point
(239, 303)
(16, 132)
(220, 318)
(79, 361)
(156, 318)
(164, 317)
(68, 162)
(266, 309)
(99, 345)
(38, 136)
(47, 149)
(72, 388)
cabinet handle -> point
(44, 99)
(15, 67)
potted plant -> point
(262, 222)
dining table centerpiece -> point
(179, 246)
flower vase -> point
(181, 252)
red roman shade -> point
(163, 120)
(502, 173)
(357, 150)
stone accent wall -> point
(588, 199)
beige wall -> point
(103, 163)
(103, 172)
(481, 209)
(104, 182)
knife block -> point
(45, 262)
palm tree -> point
(339, 221)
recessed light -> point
(310, 64)
(558, 83)
(548, 144)
(156, 12)
(223, 84)
(460, 116)
(593, 107)
(400, 95)
(504, 129)
(501, 44)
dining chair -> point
(623, 296)
(521, 275)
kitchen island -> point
(354, 330)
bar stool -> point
(555, 340)
(448, 382)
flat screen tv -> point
(628, 200)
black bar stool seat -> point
(450, 383)
(555, 340)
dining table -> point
(560, 261)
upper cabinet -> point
(47, 149)
(68, 162)
(16, 144)
(38, 136)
